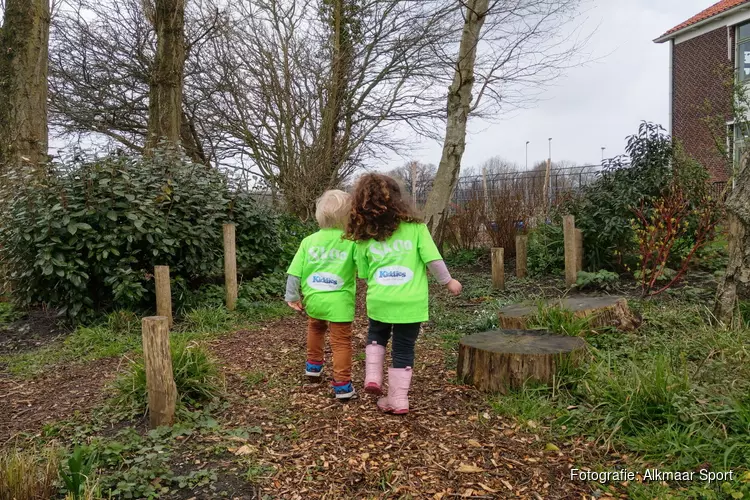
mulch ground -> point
(59, 394)
(306, 444)
(449, 445)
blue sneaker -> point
(313, 369)
(343, 390)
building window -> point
(743, 51)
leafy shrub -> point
(195, 374)
(546, 250)
(28, 475)
(672, 230)
(87, 236)
(604, 209)
(600, 280)
(265, 287)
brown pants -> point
(341, 345)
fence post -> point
(157, 357)
(579, 250)
(569, 236)
(230, 266)
(498, 268)
(521, 244)
(163, 293)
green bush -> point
(604, 209)
(196, 376)
(87, 236)
(546, 250)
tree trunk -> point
(165, 93)
(459, 107)
(736, 280)
(24, 45)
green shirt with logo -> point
(395, 270)
(325, 265)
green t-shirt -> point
(325, 265)
(395, 270)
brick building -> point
(703, 52)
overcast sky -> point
(592, 106)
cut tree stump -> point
(497, 360)
(605, 311)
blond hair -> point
(332, 209)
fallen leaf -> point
(487, 488)
(551, 447)
(365, 456)
(507, 484)
(469, 469)
(245, 450)
(475, 443)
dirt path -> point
(308, 445)
(450, 445)
(68, 389)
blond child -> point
(325, 270)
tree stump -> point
(604, 311)
(497, 360)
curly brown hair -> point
(377, 209)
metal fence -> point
(529, 185)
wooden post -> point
(522, 242)
(157, 357)
(569, 235)
(498, 268)
(579, 250)
(163, 293)
(230, 266)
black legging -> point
(404, 337)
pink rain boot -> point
(374, 356)
(397, 400)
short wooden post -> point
(163, 293)
(569, 230)
(157, 357)
(230, 266)
(522, 242)
(579, 250)
(498, 268)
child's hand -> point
(297, 306)
(454, 287)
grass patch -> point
(28, 475)
(560, 321)
(196, 375)
(8, 313)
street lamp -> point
(527, 154)
(603, 148)
(550, 150)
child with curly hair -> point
(393, 249)
(324, 266)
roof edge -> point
(670, 36)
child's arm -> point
(440, 271)
(292, 296)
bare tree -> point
(165, 86)
(101, 68)
(300, 91)
(508, 49)
(415, 173)
(24, 46)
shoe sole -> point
(392, 411)
(373, 389)
(313, 374)
(347, 395)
